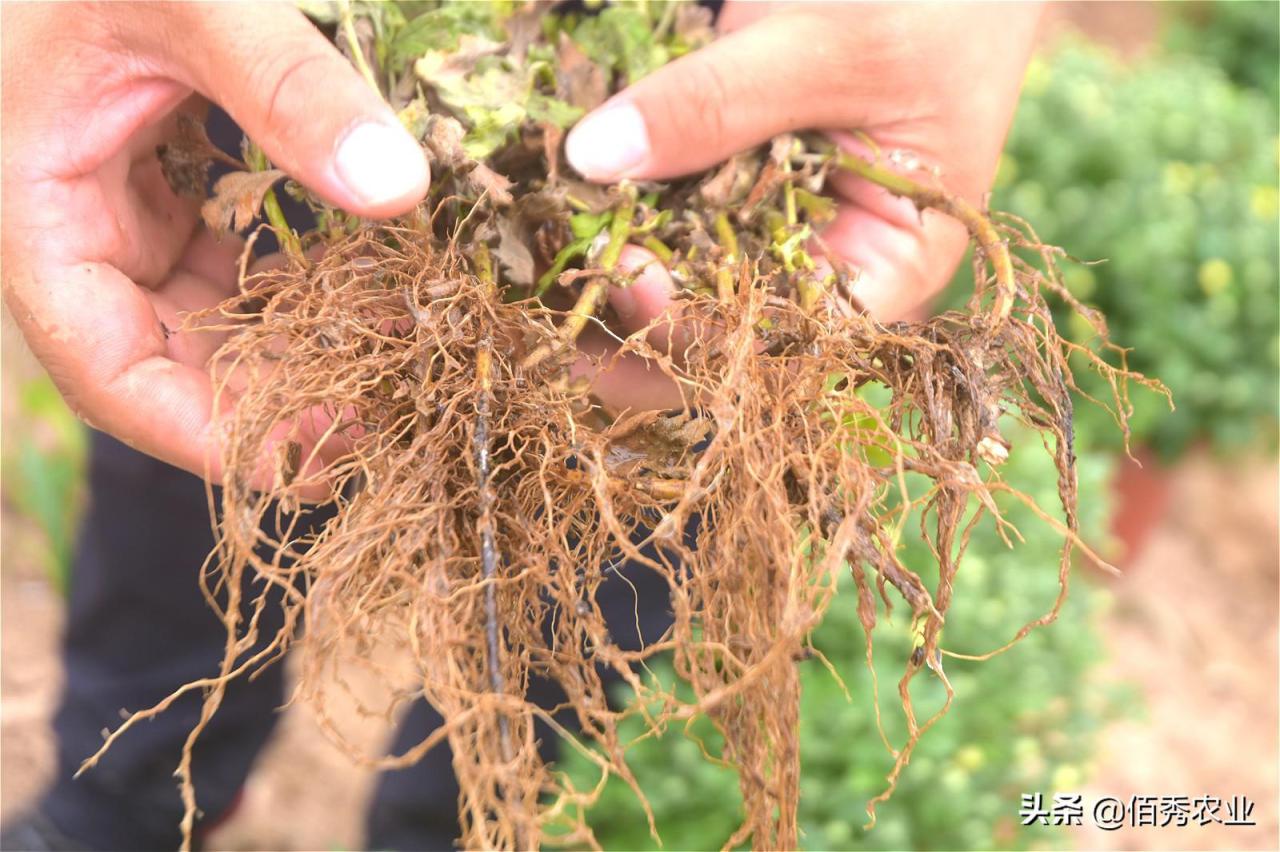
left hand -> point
(100, 258)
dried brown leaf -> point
(485, 181)
(579, 81)
(444, 137)
(523, 29)
(444, 140)
(732, 182)
(237, 198)
(552, 136)
(694, 24)
(185, 160)
(513, 252)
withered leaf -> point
(513, 252)
(415, 117)
(523, 29)
(444, 137)
(444, 140)
(440, 67)
(579, 81)
(236, 199)
(485, 181)
(542, 205)
(591, 196)
(185, 159)
(694, 24)
(552, 136)
(728, 186)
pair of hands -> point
(100, 259)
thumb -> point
(729, 96)
(303, 103)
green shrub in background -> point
(43, 472)
(1241, 37)
(1022, 722)
(1167, 170)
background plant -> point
(1166, 170)
(1023, 721)
(43, 472)
(1242, 38)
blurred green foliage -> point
(43, 472)
(1023, 721)
(1241, 37)
(1167, 170)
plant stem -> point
(619, 233)
(789, 194)
(348, 24)
(484, 524)
(584, 309)
(593, 292)
(729, 242)
(289, 241)
(980, 227)
(659, 248)
(484, 264)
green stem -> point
(592, 296)
(659, 248)
(727, 237)
(484, 264)
(619, 233)
(789, 194)
(980, 227)
(289, 241)
(348, 23)
(729, 243)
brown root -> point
(479, 495)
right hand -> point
(99, 257)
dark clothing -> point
(138, 628)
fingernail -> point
(609, 143)
(380, 162)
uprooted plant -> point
(483, 492)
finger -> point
(215, 258)
(120, 371)
(903, 255)
(647, 298)
(897, 269)
(631, 381)
(97, 334)
(206, 274)
(731, 95)
(297, 97)
(626, 382)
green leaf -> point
(442, 28)
(621, 38)
(577, 248)
(544, 108)
(585, 226)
